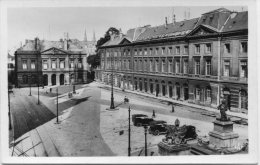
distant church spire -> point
(94, 36)
(85, 36)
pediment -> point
(203, 30)
(54, 51)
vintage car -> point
(142, 120)
(137, 115)
(158, 127)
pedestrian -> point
(172, 108)
(153, 116)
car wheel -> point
(156, 133)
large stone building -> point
(53, 62)
(199, 61)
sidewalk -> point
(76, 134)
(233, 114)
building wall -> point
(202, 89)
(53, 76)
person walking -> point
(172, 108)
(153, 116)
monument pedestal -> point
(223, 135)
(165, 149)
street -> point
(86, 128)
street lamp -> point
(112, 105)
(38, 81)
(30, 94)
(74, 91)
(145, 140)
(129, 133)
(57, 116)
(9, 112)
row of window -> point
(177, 50)
(180, 66)
(54, 64)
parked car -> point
(142, 120)
(158, 127)
(137, 115)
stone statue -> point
(223, 108)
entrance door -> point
(45, 80)
(186, 93)
(178, 92)
(53, 79)
(151, 88)
(157, 89)
(170, 91)
(163, 90)
(243, 96)
(62, 79)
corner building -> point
(199, 61)
(50, 63)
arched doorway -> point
(163, 88)
(243, 99)
(62, 79)
(170, 89)
(53, 79)
(151, 86)
(178, 91)
(186, 91)
(45, 80)
(140, 84)
(157, 89)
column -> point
(49, 79)
(154, 88)
(167, 90)
(57, 79)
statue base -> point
(165, 149)
(223, 135)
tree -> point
(106, 37)
(94, 60)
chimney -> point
(166, 21)
(37, 43)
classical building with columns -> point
(199, 61)
(53, 62)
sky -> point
(50, 23)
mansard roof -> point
(237, 21)
(74, 45)
(172, 30)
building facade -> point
(200, 61)
(53, 62)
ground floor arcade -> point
(51, 78)
(200, 92)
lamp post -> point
(129, 133)
(112, 105)
(57, 116)
(9, 111)
(74, 90)
(145, 140)
(38, 81)
(30, 94)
